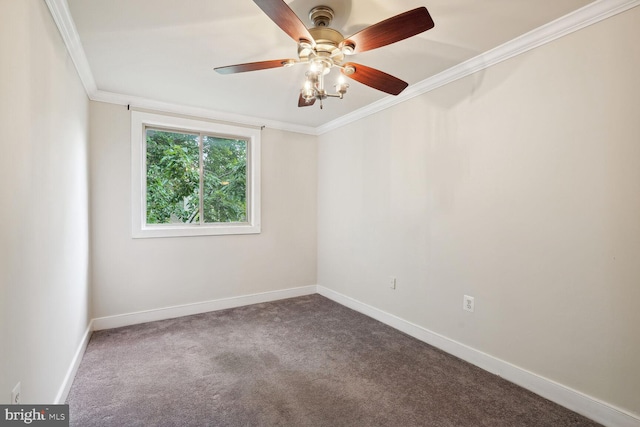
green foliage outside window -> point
(173, 178)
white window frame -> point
(139, 227)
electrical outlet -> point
(467, 303)
(15, 395)
(392, 282)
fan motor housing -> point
(327, 44)
(327, 39)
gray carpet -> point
(299, 362)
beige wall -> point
(44, 302)
(519, 186)
(131, 275)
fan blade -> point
(304, 103)
(285, 18)
(254, 66)
(375, 78)
(391, 30)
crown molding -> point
(204, 113)
(574, 21)
(62, 17)
(581, 18)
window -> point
(191, 177)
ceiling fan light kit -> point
(323, 48)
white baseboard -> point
(581, 403)
(574, 400)
(197, 308)
(63, 392)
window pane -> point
(173, 177)
(225, 179)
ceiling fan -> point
(324, 48)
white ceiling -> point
(165, 50)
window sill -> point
(195, 230)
